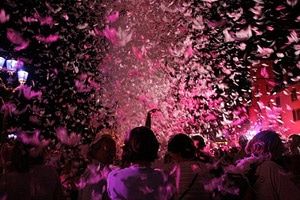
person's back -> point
(192, 175)
(40, 183)
(273, 183)
(139, 181)
(93, 182)
(189, 174)
(270, 180)
(30, 179)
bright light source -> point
(2, 61)
(22, 76)
(250, 134)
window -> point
(296, 114)
(294, 95)
(278, 104)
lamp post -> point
(8, 69)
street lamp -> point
(12, 66)
(2, 61)
(22, 76)
(9, 67)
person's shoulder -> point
(46, 170)
(160, 171)
(44, 167)
(269, 165)
(195, 164)
(118, 172)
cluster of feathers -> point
(104, 64)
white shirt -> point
(139, 183)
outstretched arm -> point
(148, 118)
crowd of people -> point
(265, 167)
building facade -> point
(273, 106)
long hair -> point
(266, 143)
(140, 145)
(95, 146)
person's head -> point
(199, 142)
(181, 147)
(243, 141)
(294, 143)
(141, 145)
(103, 150)
(266, 143)
(77, 166)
